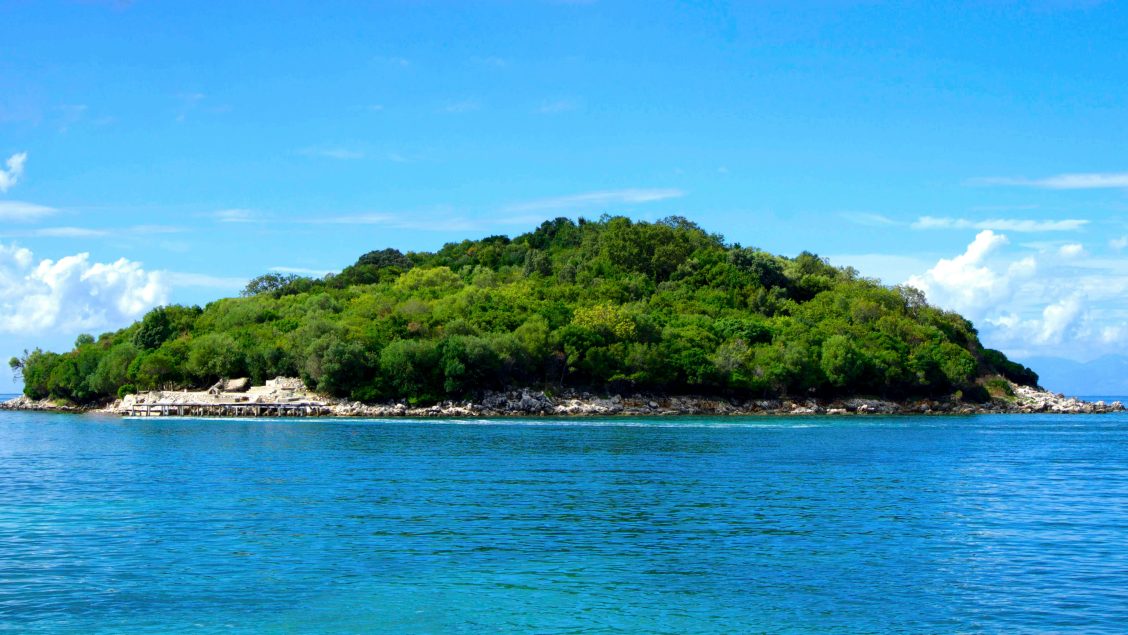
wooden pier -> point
(299, 409)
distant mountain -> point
(1106, 375)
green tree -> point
(213, 356)
(113, 370)
(268, 283)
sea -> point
(906, 524)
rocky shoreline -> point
(530, 403)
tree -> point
(155, 328)
(113, 370)
(605, 319)
(386, 258)
(164, 323)
(410, 369)
(839, 361)
(213, 356)
(268, 283)
(154, 370)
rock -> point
(528, 403)
(871, 406)
(570, 402)
(237, 385)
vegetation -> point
(611, 303)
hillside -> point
(610, 305)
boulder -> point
(237, 385)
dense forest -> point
(610, 305)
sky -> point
(166, 152)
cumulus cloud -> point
(1000, 224)
(966, 283)
(1059, 301)
(15, 169)
(1119, 243)
(1056, 318)
(73, 293)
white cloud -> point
(1112, 334)
(1119, 243)
(1000, 224)
(20, 211)
(234, 215)
(356, 219)
(468, 105)
(595, 199)
(1082, 181)
(69, 232)
(889, 268)
(73, 294)
(965, 283)
(869, 219)
(11, 176)
(1060, 301)
(92, 232)
(1071, 250)
(340, 153)
(1058, 317)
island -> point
(577, 317)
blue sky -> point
(159, 152)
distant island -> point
(611, 306)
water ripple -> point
(711, 525)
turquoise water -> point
(854, 525)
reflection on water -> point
(900, 524)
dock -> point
(290, 409)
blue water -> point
(992, 524)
